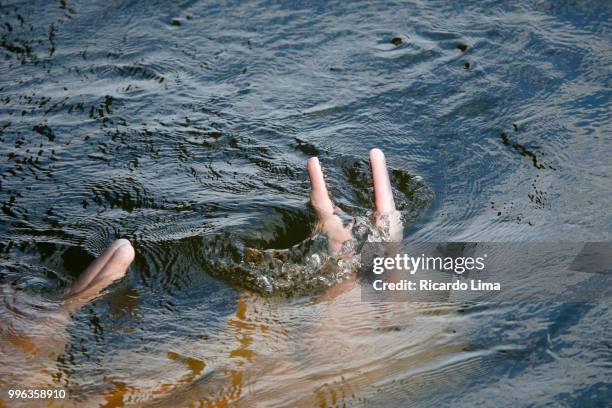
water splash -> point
(307, 267)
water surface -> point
(185, 127)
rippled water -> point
(185, 127)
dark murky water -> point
(185, 127)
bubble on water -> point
(310, 266)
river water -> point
(185, 127)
